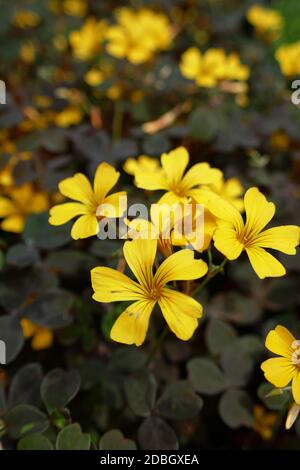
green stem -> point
(156, 346)
(117, 121)
(214, 270)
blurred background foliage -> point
(67, 385)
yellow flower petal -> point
(39, 203)
(151, 181)
(264, 264)
(110, 286)
(180, 312)
(284, 238)
(86, 226)
(279, 371)
(225, 211)
(279, 341)
(6, 207)
(140, 255)
(79, 188)
(43, 339)
(259, 211)
(226, 242)
(64, 212)
(28, 327)
(296, 387)
(181, 266)
(106, 177)
(13, 223)
(174, 163)
(118, 203)
(132, 325)
(201, 173)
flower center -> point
(154, 293)
(296, 353)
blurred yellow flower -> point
(212, 66)
(20, 202)
(92, 202)
(179, 187)
(94, 77)
(69, 117)
(233, 235)
(27, 52)
(6, 172)
(142, 163)
(138, 35)
(288, 57)
(264, 422)
(75, 7)
(280, 371)
(231, 190)
(26, 19)
(42, 338)
(86, 42)
(114, 92)
(280, 140)
(264, 20)
(180, 311)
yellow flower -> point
(27, 52)
(42, 338)
(179, 187)
(180, 311)
(231, 190)
(26, 19)
(114, 92)
(264, 422)
(264, 20)
(142, 163)
(69, 117)
(75, 7)
(91, 202)
(288, 57)
(86, 42)
(94, 77)
(6, 172)
(212, 66)
(232, 235)
(138, 35)
(280, 140)
(22, 201)
(280, 371)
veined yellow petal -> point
(114, 204)
(84, 227)
(226, 242)
(279, 371)
(180, 312)
(284, 238)
(6, 207)
(279, 341)
(259, 211)
(296, 387)
(106, 177)
(201, 173)
(13, 223)
(111, 285)
(174, 163)
(225, 211)
(181, 266)
(43, 339)
(264, 264)
(132, 325)
(62, 213)
(140, 255)
(151, 181)
(79, 188)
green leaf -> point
(127, 359)
(236, 409)
(59, 388)
(22, 256)
(140, 391)
(205, 376)
(12, 335)
(39, 233)
(219, 335)
(72, 438)
(35, 442)
(25, 386)
(237, 364)
(114, 440)
(24, 420)
(70, 262)
(203, 124)
(273, 402)
(179, 401)
(155, 434)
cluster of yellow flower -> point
(288, 57)
(223, 223)
(211, 67)
(266, 21)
